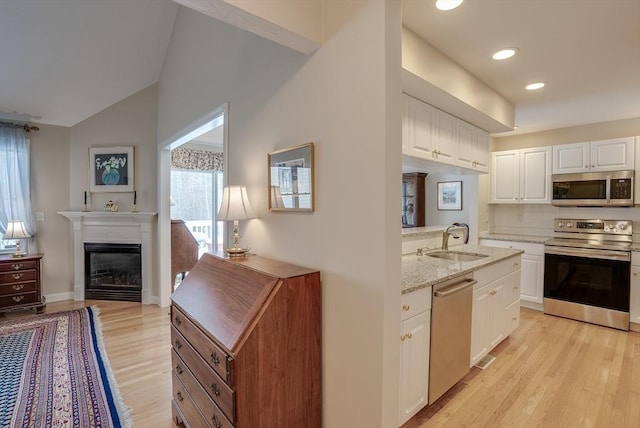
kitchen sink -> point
(457, 256)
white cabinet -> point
(606, 155)
(532, 267)
(415, 337)
(521, 176)
(435, 135)
(634, 295)
(473, 147)
(496, 306)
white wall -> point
(50, 194)
(130, 122)
(346, 98)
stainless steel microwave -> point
(593, 189)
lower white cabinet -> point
(634, 303)
(496, 302)
(415, 338)
(532, 278)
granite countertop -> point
(516, 238)
(426, 231)
(424, 271)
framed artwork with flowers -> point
(111, 169)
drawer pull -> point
(215, 389)
(514, 319)
(177, 320)
(178, 369)
(17, 275)
(18, 287)
(516, 264)
(406, 307)
(515, 288)
(216, 422)
(17, 266)
(403, 337)
(177, 344)
(214, 358)
(179, 396)
(493, 293)
(18, 298)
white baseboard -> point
(59, 297)
(531, 305)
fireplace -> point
(112, 271)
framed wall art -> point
(450, 196)
(111, 169)
(291, 179)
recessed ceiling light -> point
(505, 53)
(448, 4)
(534, 86)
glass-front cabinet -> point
(413, 195)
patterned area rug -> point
(54, 372)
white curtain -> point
(15, 197)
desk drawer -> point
(19, 299)
(211, 412)
(211, 382)
(188, 410)
(215, 356)
(19, 287)
(18, 276)
(18, 265)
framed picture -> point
(111, 169)
(291, 179)
(450, 195)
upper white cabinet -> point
(521, 176)
(435, 135)
(606, 155)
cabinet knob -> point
(179, 396)
(593, 166)
(403, 337)
(515, 288)
(635, 274)
(216, 422)
(177, 344)
(17, 275)
(17, 287)
(493, 293)
(215, 389)
(409, 335)
(407, 307)
(17, 266)
(214, 358)
(514, 319)
(178, 369)
(18, 298)
(516, 264)
(177, 320)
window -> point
(15, 199)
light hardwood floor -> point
(552, 372)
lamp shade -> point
(16, 230)
(235, 204)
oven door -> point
(588, 277)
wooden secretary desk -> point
(246, 344)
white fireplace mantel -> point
(115, 228)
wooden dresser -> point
(20, 283)
(246, 337)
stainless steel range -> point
(587, 271)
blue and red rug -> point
(54, 373)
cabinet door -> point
(445, 137)
(466, 144)
(513, 317)
(505, 177)
(420, 123)
(482, 150)
(532, 278)
(612, 155)
(497, 315)
(634, 307)
(571, 158)
(414, 364)
(535, 175)
(479, 324)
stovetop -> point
(613, 235)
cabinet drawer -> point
(18, 276)
(18, 299)
(19, 287)
(203, 402)
(496, 271)
(210, 352)
(512, 288)
(513, 317)
(415, 302)
(18, 265)
(188, 410)
(211, 382)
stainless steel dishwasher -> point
(450, 334)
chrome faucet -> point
(445, 236)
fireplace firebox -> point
(113, 271)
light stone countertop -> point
(426, 231)
(424, 271)
(516, 238)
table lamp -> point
(17, 231)
(235, 206)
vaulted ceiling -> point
(65, 60)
